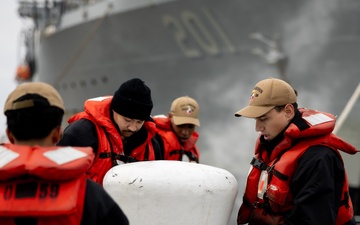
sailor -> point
(118, 128)
(297, 174)
(176, 132)
(42, 183)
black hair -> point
(33, 122)
(281, 107)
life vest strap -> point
(262, 205)
(189, 154)
(345, 201)
(115, 156)
(254, 204)
(263, 166)
(112, 155)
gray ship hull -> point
(181, 47)
(205, 49)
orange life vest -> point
(281, 164)
(173, 150)
(110, 147)
(46, 184)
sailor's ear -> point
(289, 111)
(170, 115)
(10, 136)
(55, 134)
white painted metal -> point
(351, 161)
(172, 192)
(349, 105)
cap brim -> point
(253, 111)
(178, 120)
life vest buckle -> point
(258, 205)
(258, 164)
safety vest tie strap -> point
(262, 166)
(104, 155)
(126, 159)
(115, 156)
(189, 154)
(345, 201)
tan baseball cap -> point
(185, 110)
(266, 95)
(43, 89)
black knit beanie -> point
(133, 100)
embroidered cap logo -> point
(188, 109)
(253, 95)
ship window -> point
(93, 82)
(104, 79)
(83, 83)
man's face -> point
(126, 125)
(183, 131)
(273, 123)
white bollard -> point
(172, 192)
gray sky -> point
(10, 24)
